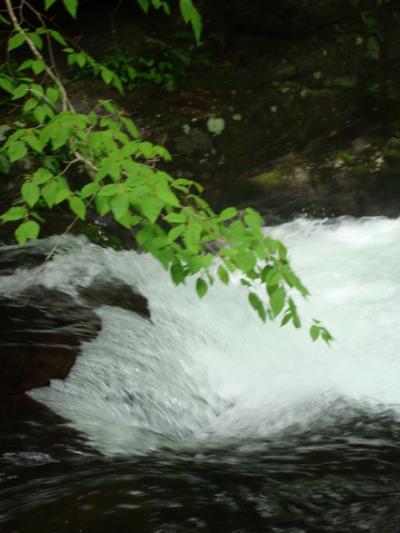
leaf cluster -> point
(169, 218)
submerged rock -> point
(116, 293)
(41, 329)
(40, 334)
(28, 256)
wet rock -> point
(40, 334)
(116, 293)
(346, 174)
(194, 142)
(284, 17)
(27, 256)
(41, 329)
(28, 427)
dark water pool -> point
(342, 477)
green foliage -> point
(133, 70)
(371, 25)
(168, 217)
(188, 10)
(317, 331)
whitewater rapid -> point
(209, 373)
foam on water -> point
(209, 372)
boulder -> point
(40, 334)
(41, 329)
(116, 293)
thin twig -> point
(66, 104)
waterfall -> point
(209, 373)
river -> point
(205, 419)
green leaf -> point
(78, 207)
(163, 153)
(294, 315)
(38, 66)
(192, 235)
(30, 104)
(130, 126)
(314, 332)
(110, 190)
(151, 208)
(49, 192)
(48, 4)
(32, 229)
(253, 219)
(223, 275)
(144, 235)
(71, 6)
(277, 300)
(15, 41)
(175, 218)
(286, 319)
(294, 281)
(34, 143)
(14, 213)
(60, 137)
(57, 36)
(17, 150)
(20, 91)
(257, 305)
(271, 276)
(175, 232)
(25, 64)
(37, 41)
(190, 14)
(228, 213)
(107, 75)
(177, 273)
(246, 261)
(326, 336)
(62, 194)
(6, 85)
(89, 189)
(52, 94)
(144, 4)
(195, 263)
(80, 59)
(109, 106)
(165, 194)
(30, 193)
(40, 114)
(27, 231)
(4, 164)
(102, 205)
(4, 20)
(42, 175)
(201, 287)
(119, 205)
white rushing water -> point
(209, 372)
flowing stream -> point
(205, 419)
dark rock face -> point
(13, 257)
(281, 17)
(28, 427)
(41, 329)
(346, 175)
(40, 334)
(116, 293)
